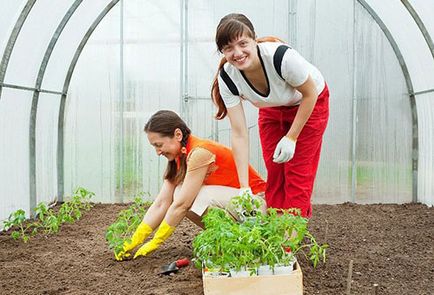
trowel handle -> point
(182, 262)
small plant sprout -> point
(47, 218)
(126, 223)
(245, 206)
(17, 220)
(272, 238)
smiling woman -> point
(200, 173)
(292, 98)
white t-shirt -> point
(295, 71)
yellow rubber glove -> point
(162, 234)
(139, 236)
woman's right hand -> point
(139, 236)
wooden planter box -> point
(290, 284)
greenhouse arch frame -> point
(415, 65)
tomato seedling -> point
(125, 224)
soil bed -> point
(390, 245)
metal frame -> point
(430, 44)
(60, 146)
(19, 87)
(184, 97)
(12, 39)
(415, 141)
(292, 22)
(424, 91)
(424, 32)
(354, 113)
(421, 25)
(35, 100)
(183, 78)
(122, 99)
(37, 89)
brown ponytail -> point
(269, 39)
(216, 96)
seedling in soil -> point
(261, 239)
(71, 210)
(17, 220)
(245, 206)
(46, 218)
(126, 223)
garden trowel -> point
(174, 266)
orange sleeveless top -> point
(224, 171)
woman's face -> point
(242, 53)
(170, 147)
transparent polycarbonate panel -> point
(425, 10)
(151, 72)
(92, 115)
(151, 83)
(70, 38)
(33, 40)
(384, 123)
(10, 12)
(268, 17)
(14, 151)
(324, 36)
(46, 147)
(410, 41)
(425, 114)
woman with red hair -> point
(292, 98)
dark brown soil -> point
(390, 245)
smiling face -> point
(170, 147)
(242, 53)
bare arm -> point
(310, 95)
(240, 143)
(155, 214)
(193, 181)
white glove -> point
(284, 150)
(245, 190)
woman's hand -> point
(162, 234)
(182, 202)
(284, 151)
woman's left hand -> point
(284, 151)
(162, 234)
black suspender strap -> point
(277, 61)
(228, 81)
(278, 57)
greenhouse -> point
(79, 79)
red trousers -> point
(290, 184)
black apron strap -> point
(278, 57)
(228, 81)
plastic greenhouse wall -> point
(149, 55)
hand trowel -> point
(174, 266)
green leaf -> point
(15, 235)
(260, 239)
